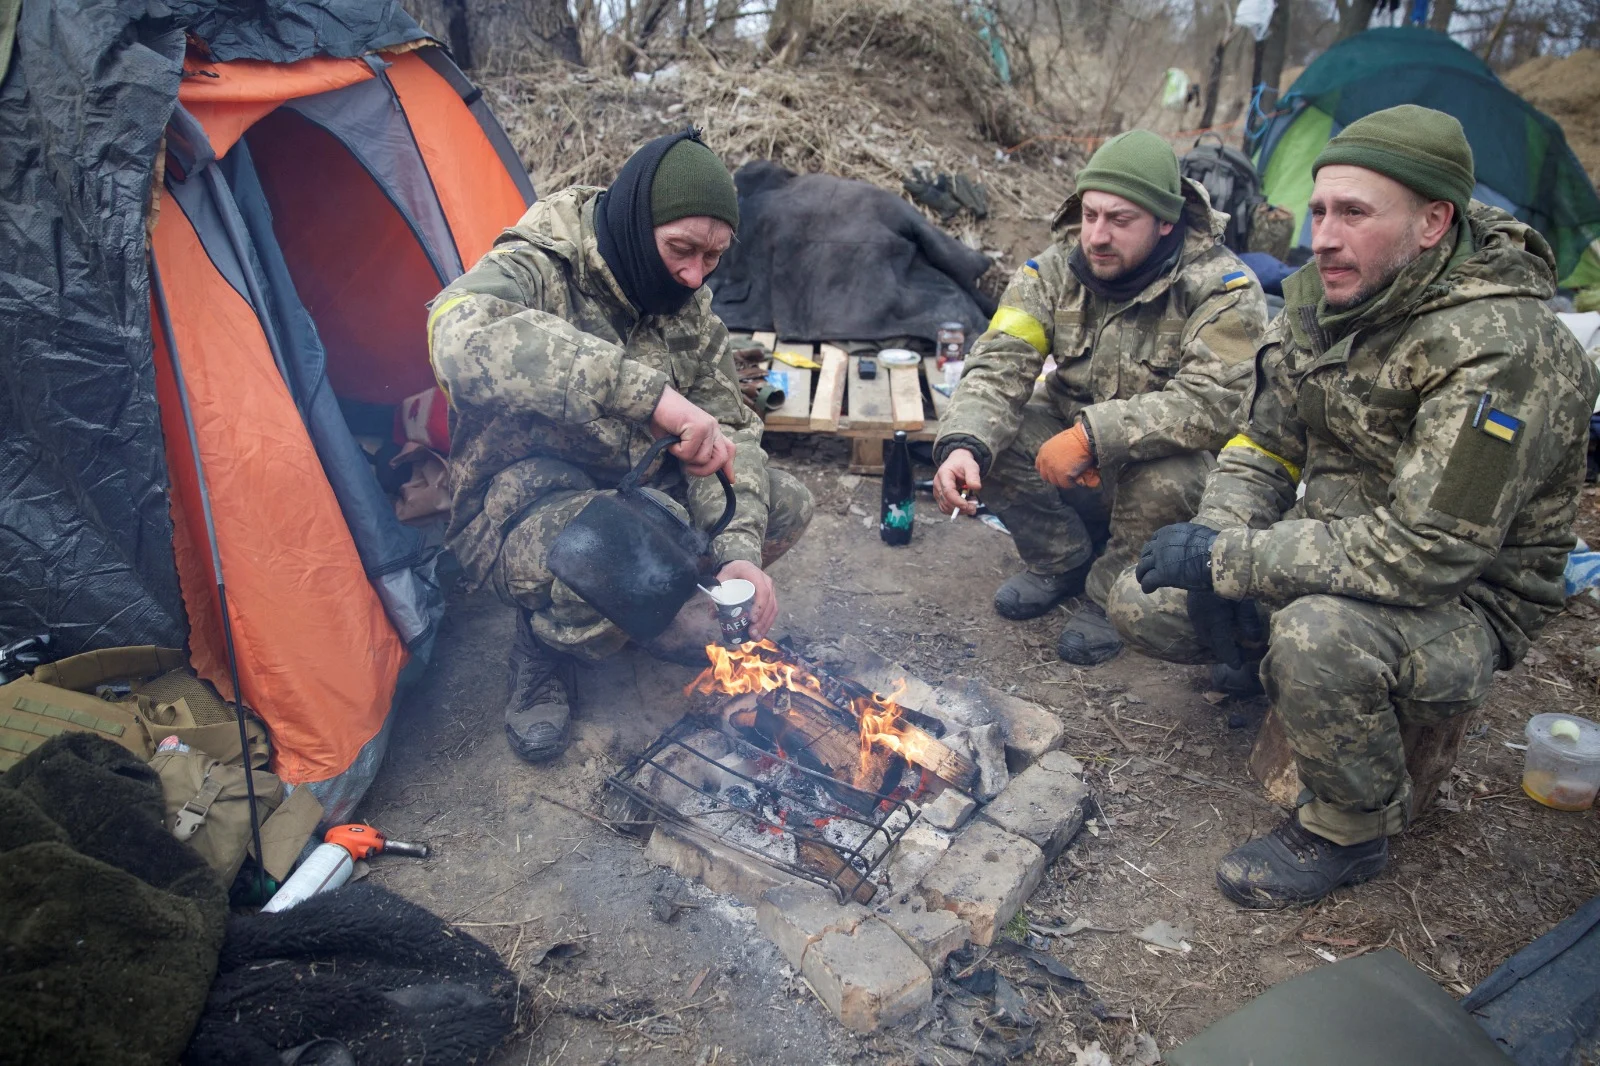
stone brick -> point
(796, 916)
(868, 978)
(720, 868)
(950, 811)
(919, 848)
(984, 878)
(1029, 729)
(932, 934)
(1044, 803)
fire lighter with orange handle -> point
(331, 864)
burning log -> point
(821, 858)
(874, 721)
(809, 732)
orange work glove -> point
(1066, 462)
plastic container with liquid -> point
(1562, 765)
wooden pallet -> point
(836, 400)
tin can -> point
(950, 342)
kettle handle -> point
(631, 479)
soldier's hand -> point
(1066, 460)
(958, 472)
(701, 447)
(765, 610)
(1179, 557)
(1215, 622)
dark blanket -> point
(359, 966)
(823, 258)
(109, 926)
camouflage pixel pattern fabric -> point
(1439, 430)
(553, 376)
(1159, 375)
(1055, 530)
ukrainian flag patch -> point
(1031, 268)
(1495, 422)
(1501, 426)
(1236, 280)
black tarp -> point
(821, 258)
(85, 534)
(1542, 1006)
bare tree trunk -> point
(791, 25)
(694, 18)
(1214, 79)
(1499, 31)
(1439, 17)
(725, 21)
(1353, 17)
(459, 31)
(554, 29)
(1274, 50)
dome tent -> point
(1521, 157)
(226, 220)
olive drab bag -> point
(141, 696)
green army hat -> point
(690, 181)
(1423, 149)
(1138, 166)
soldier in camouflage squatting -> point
(1152, 323)
(1436, 412)
(581, 337)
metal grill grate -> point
(800, 812)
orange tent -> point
(308, 212)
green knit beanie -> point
(692, 181)
(1423, 149)
(1137, 166)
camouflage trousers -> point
(1055, 530)
(560, 617)
(1345, 676)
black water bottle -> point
(899, 491)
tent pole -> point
(216, 566)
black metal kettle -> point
(631, 558)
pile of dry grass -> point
(1568, 90)
(826, 115)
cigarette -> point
(957, 509)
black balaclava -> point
(626, 231)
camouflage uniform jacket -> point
(1440, 435)
(549, 368)
(1161, 374)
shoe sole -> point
(543, 753)
(1255, 903)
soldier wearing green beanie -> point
(584, 335)
(1398, 505)
(1151, 323)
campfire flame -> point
(737, 671)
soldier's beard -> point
(1401, 256)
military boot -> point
(1240, 682)
(1292, 866)
(684, 641)
(539, 705)
(1089, 638)
(1028, 595)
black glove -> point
(1229, 627)
(1178, 556)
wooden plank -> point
(930, 367)
(870, 408)
(905, 396)
(795, 414)
(829, 400)
(766, 340)
(866, 456)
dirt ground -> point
(567, 901)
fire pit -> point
(855, 821)
(786, 762)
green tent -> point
(1522, 159)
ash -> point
(764, 814)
